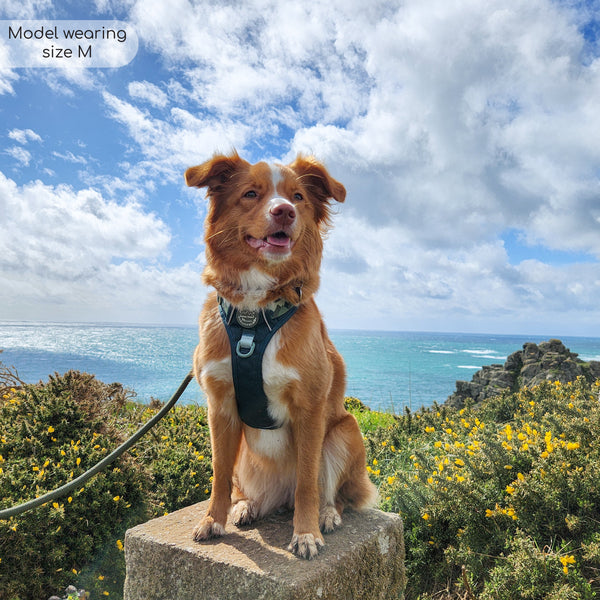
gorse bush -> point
(500, 500)
(49, 435)
(514, 502)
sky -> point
(467, 134)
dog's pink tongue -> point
(282, 241)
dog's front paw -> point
(306, 545)
(329, 519)
(243, 513)
(208, 528)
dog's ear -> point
(214, 172)
(315, 177)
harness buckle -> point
(245, 347)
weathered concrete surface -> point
(363, 559)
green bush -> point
(50, 434)
(499, 500)
(495, 503)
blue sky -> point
(466, 133)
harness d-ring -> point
(245, 346)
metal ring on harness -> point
(245, 346)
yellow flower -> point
(567, 560)
(50, 429)
(429, 429)
(572, 445)
(426, 517)
(510, 489)
(117, 498)
(459, 463)
(391, 480)
(120, 545)
(489, 513)
(520, 477)
(78, 461)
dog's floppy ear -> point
(214, 172)
(315, 177)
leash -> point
(65, 489)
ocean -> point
(386, 370)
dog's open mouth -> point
(278, 241)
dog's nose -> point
(283, 212)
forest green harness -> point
(249, 332)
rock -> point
(548, 361)
(363, 559)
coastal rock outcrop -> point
(530, 366)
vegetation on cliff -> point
(500, 498)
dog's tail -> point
(359, 492)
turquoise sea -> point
(386, 370)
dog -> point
(300, 449)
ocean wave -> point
(441, 351)
(484, 354)
(468, 367)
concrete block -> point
(363, 559)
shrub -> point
(499, 500)
(485, 494)
(51, 433)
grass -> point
(499, 500)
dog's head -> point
(266, 219)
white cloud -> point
(24, 9)
(373, 278)
(70, 157)
(172, 144)
(148, 92)
(23, 136)
(72, 254)
(450, 122)
(21, 155)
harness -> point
(249, 333)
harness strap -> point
(249, 332)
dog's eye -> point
(298, 197)
(250, 194)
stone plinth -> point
(363, 559)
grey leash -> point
(65, 489)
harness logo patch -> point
(247, 318)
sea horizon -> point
(387, 370)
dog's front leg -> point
(225, 434)
(307, 539)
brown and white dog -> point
(264, 239)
